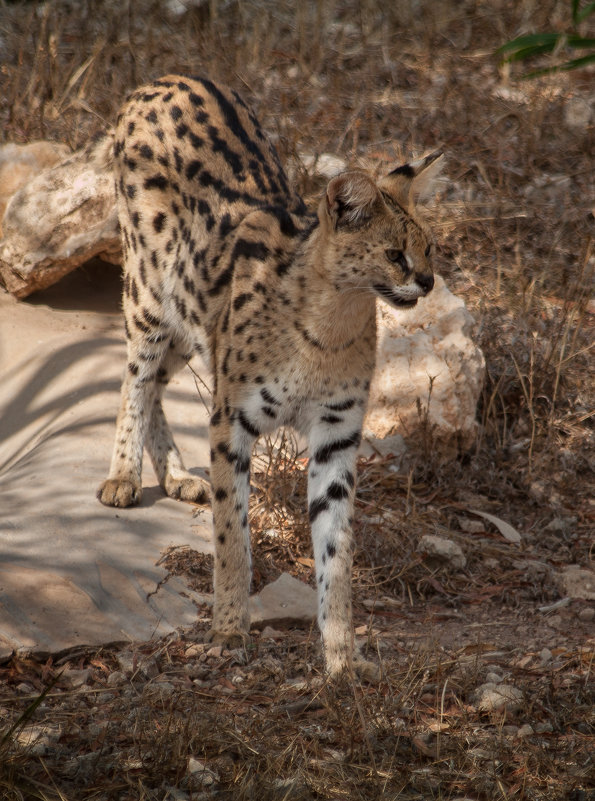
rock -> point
(525, 731)
(199, 770)
(578, 113)
(286, 600)
(442, 549)
(586, 615)
(19, 163)
(59, 219)
(326, 165)
(78, 678)
(388, 446)
(577, 582)
(427, 364)
(492, 697)
(545, 656)
(544, 728)
(38, 740)
(269, 633)
(116, 678)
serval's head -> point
(375, 238)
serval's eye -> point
(397, 257)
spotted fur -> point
(222, 259)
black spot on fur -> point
(159, 222)
(316, 507)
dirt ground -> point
(487, 688)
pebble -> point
(545, 656)
(77, 678)
(491, 697)
(116, 678)
(509, 730)
(443, 549)
(525, 731)
(38, 739)
(544, 728)
(587, 614)
(195, 650)
(198, 770)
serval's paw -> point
(343, 667)
(119, 492)
(228, 639)
(365, 670)
(190, 488)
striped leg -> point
(167, 461)
(334, 440)
(145, 353)
(231, 449)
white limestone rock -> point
(427, 361)
(286, 600)
(60, 218)
(19, 163)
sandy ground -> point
(71, 570)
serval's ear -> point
(414, 182)
(350, 199)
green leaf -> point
(575, 63)
(529, 52)
(580, 41)
(531, 40)
(575, 4)
(581, 16)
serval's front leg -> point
(232, 437)
(331, 489)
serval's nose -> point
(425, 281)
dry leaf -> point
(508, 532)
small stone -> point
(587, 614)
(493, 678)
(175, 794)
(545, 656)
(490, 697)
(199, 770)
(577, 582)
(125, 662)
(442, 549)
(77, 678)
(195, 650)
(525, 731)
(544, 728)
(578, 113)
(470, 526)
(215, 652)
(38, 739)
(116, 678)
(269, 633)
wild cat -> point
(222, 258)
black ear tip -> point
(405, 169)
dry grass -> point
(374, 83)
